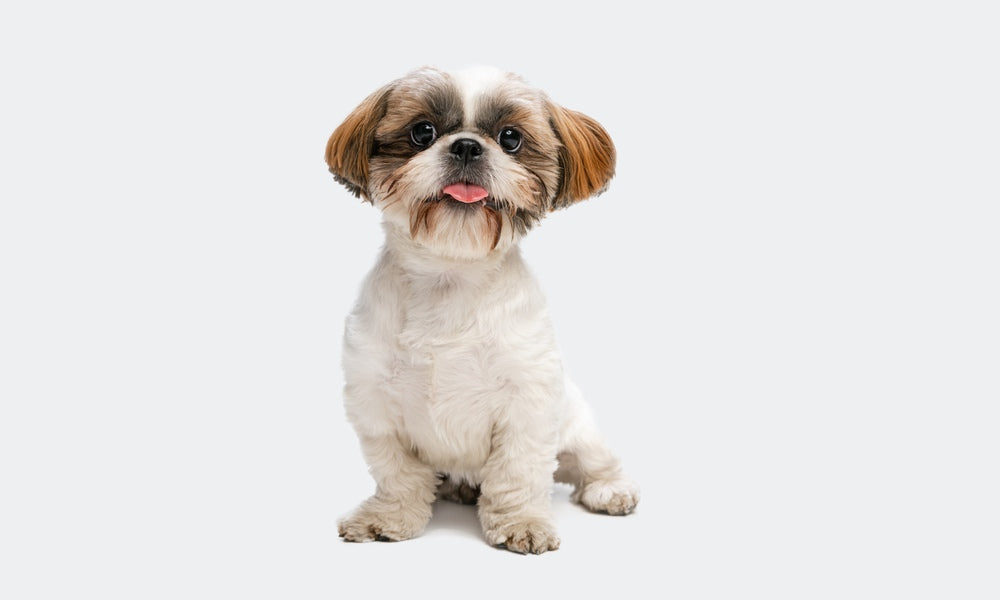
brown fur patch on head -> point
(424, 95)
(532, 187)
(587, 156)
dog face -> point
(466, 163)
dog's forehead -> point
(476, 82)
(488, 89)
(471, 95)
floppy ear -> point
(352, 143)
(587, 156)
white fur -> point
(452, 369)
(473, 81)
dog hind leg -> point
(586, 462)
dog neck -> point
(421, 262)
(440, 298)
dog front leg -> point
(401, 505)
(515, 500)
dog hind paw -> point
(615, 497)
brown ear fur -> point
(587, 156)
(352, 143)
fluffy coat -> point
(454, 383)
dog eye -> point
(509, 139)
(423, 133)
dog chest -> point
(448, 398)
(440, 358)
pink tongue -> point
(465, 192)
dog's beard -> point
(412, 197)
(445, 223)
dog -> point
(453, 380)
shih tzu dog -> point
(454, 383)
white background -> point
(784, 311)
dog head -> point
(466, 163)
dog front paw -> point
(368, 524)
(532, 536)
(615, 497)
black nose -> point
(466, 150)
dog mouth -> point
(466, 193)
